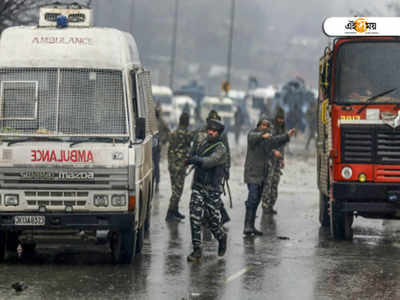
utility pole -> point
(173, 50)
(230, 42)
(132, 23)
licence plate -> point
(29, 220)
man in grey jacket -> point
(260, 148)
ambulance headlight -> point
(11, 200)
(118, 200)
(100, 200)
(347, 172)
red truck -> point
(358, 145)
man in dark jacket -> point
(259, 153)
(178, 152)
(201, 135)
(209, 158)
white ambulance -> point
(223, 106)
(76, 126)
(163, 96)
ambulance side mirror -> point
(140, 128)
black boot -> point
(179, 215)
(222, 245)
(171, 216)
(224, 215)
(248, 229)
(195, 255)
(249, 221)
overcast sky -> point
(289, 32)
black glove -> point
(195, 160)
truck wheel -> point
(324, 219)
(140, 240)
(348, 223)
(123, 246)
(341, 223)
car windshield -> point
(367, 69)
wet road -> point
(294, 259)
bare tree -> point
(25, 12)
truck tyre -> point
(324, 218)
(341, 223)
(140, 240)
(123, 246)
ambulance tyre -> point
(12, 241)
(123, 246)
(324, 218)
(2, 246)
(140, 240)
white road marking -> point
(238, 274)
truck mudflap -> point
(89, 221)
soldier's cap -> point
(184, 119)
(213, 115)
(215, 124)
(264, 118)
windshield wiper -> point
(100, 140)
(34, 139)
(370, 99)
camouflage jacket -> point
(278, 130)
(259, 155)
(163, 131)
(179, 147)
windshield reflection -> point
(365, 69)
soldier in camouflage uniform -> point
(163, 132)
(269, 194)
(260, 148)
(209, 159)
(178, 153)
(199, 136)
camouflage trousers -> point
(204, 210)
(177, 176)
(269, 194)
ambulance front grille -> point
(103, 179)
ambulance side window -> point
(141, 103)
(134, 94)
